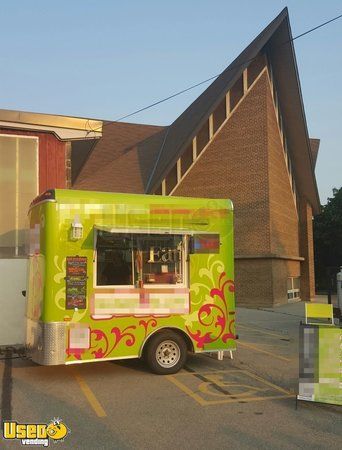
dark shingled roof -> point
(121, 160)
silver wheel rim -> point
(168, 354)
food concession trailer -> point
(115, 276)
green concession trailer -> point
(115, 276)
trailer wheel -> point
(166, 352)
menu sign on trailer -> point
(76, 282)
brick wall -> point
(283, 212)
(234, 166)
(281, 270)
(245, 163)
(254, 282)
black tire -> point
(165, 352)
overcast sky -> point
(105, 59)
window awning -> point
(117, 229)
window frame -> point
(184, 263)
(293, 290)
(105, 286)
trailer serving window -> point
(114, 261)
(138, 259)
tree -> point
(328, 239)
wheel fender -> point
(186, 337)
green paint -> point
(211, 276)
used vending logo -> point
(36, 433)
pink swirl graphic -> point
(211, 313)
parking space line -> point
(209, 372)
(88, 393)
(247, 400)
(274, 386)
(262, 331)
(257, 349)
(210, 377)
(205, 378)
(186, 390)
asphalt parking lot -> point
(244, 403)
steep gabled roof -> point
(186, 126)
(285, 72)
(276, 38)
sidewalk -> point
(297, 308)
(324, 299)
(292, 309)
(283, 319)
